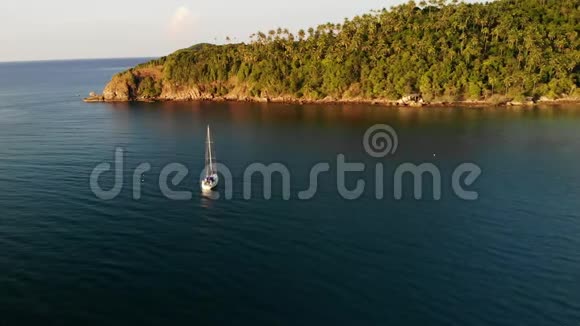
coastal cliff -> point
(501, 52)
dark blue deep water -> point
(512, 257)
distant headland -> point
(429, 53)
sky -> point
(77, 29)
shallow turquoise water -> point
(67, 257)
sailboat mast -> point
(210, 167)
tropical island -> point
(435, 52)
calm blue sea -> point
(512, 257)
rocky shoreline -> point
(147, 85)
(404, 102)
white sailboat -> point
(210, 181)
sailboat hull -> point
(209, 183)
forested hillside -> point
(444, 51)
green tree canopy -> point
(437, 48)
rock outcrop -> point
(121, 88)
(412, 100)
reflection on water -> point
(207, 197)
(346, 113)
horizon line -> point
(78, 59)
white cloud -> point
(181, 22)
